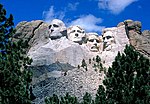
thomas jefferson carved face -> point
(76, 34)
(108, 39)
(56, 27)
(93, 42)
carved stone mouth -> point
(106, 45)
(94, 48)
(77, 39)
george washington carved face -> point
(56, 28)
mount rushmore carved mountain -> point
(65, 58)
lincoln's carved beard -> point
(93, 42)
(56, 29)
(108, 39)
(76, 34)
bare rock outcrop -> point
(34, 32)
(140, 40)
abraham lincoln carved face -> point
(108, 39)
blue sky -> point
(92, 15)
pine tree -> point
(98, 59)
(100, 95)
(14, 78)
(87, 99)
(84, 65)
(52, 100)
(67, 99)
(128, 80)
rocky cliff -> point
(65, 59)
(140, 40)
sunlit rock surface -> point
(57, 59)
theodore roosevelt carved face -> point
(93, 42)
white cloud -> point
(115, 6)
(51, 14)
(89, 23)
(73, 6)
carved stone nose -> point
(105, 43)
(94, 41)
(76, 35)
(95, 44)
(52, 31)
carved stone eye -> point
(98, 41)
(72, 31)
(55, 25)
(108, 37)
(50, 26)
(91, 40)
(79, 31)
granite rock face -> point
(140, 40)
(146, 33)
(61, 50)
(58, 62)
(34, 32)
(120, 41)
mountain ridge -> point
(67, 56)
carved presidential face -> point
(108, 39)
(56, 27)
(76, 34)
(93, 42)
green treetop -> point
(128, 80)
(14, 78)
